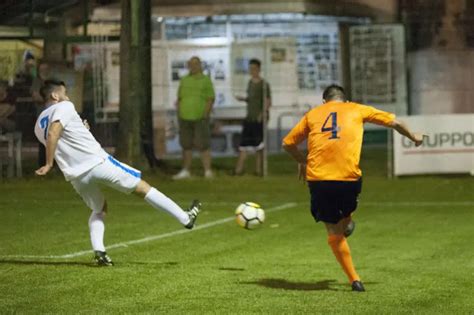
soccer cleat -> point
(193, 212)
(349, 229)
(182, 174)
(102, 259)
(358, 286)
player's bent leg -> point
(159, 201)
(341, 250)
(349, 226)
(126, 179)
(337, 228)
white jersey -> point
(77, 151)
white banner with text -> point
(448, 149)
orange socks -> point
(341, 250)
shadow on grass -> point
(148, 263)
(81, 264)
(46, 263)
(297, 286)
(231, 269)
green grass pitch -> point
(413, 247)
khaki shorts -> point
(194, 134)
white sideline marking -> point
(150, 238)
(362, 203)
(222, 221)
(138, 202)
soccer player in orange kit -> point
(334, 131)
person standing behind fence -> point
(195, 99)
(258, 97)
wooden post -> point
(135, 126)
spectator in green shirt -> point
(258, 98)
(195, 98)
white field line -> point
(140, 203)
(225, 220)
(125, 203)
(151, 238)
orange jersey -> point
(334, 131)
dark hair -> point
(49, 86)
(255, 61)
(334, 91)
(28, 55)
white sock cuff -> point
(153, 191)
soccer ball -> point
(249, 215)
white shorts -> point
(112, 173)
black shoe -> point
(358, 286)
(193, 212)
(349, 229)
(102, 259)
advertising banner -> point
(448, 149)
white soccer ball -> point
(249, 215)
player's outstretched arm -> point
(402, 129)
(54, 132)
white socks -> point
(160, 201)
(154, 197)
(97, 229)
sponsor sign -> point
(447, 149)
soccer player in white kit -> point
(85, 164)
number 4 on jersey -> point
(334, 128)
